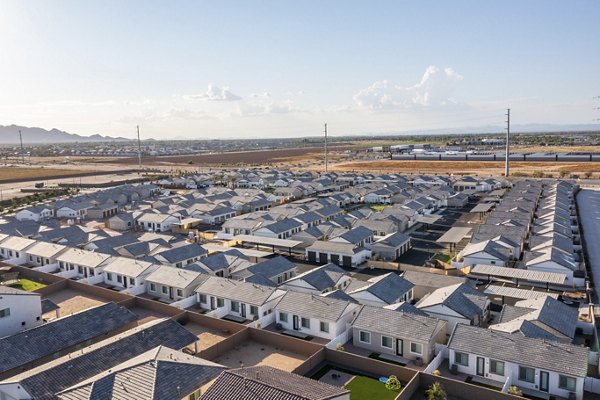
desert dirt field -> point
(25, 173)
(251, 353)
(245, 157)
(72, 301)
(463, 167)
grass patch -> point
(443, 257)
(380, 207)
(365, 388)
(27, 285)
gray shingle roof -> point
(536, 353)
(182, 253)
(46, 381)
(47, 339)
(388, 288)
(461, 298)
(309, 305)
(323, 277)
(158, 374)
(268, 383)
(272, 267)
(357, 235)
(397, 323)
(236, 290)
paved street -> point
(588, 201)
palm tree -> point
(436, 392)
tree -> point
(436, 392)
(588, 174)
(393, 383)
(563, 173)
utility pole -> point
(507, 163)
(139, 148)
(22, 151)
(325, 147)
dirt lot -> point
(252, 353)
(208, 336)
(245, 157)
(71, 301)
(35, 173)
(464, 167)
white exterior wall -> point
(512, 370)
(335, 327)
(551, 266)
(13, 257)
(482, 258)
(263, 310)
(23, 308)
(452, 318)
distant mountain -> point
(10, 134)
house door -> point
(480, 366)
(347, 261)
(171, 293)
(312, 256)
(335, 259)
(544, 378)
(296, 323)
(399, 347)
(212, 303)
(323, 258)
(243, 310)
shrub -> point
(436, 392)
(515, 391)
(340, 347)
(393, 383)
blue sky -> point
(202, 69)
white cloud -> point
(215, 93)
(435, 89)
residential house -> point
(241, 299)
(35, 213)
(183, 255)
(383, 290)
(43, 253)
(82, 264)
(19, 310)
(456, 304)
(277, 270)
(359, 236)
(283, 229)
(323, 279)
(408, 336)
(168, 284)
(312, 315)
(390, 247)
(13, 249)
(128, 274)
(538, 367)
(121, 222)
(154, 222)
(343, 254)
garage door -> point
(312, 256)
(335, 259)
(323, 258)
(347, 261)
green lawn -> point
(27, 285)
(443, 257)
(365, 388)
(378, 208)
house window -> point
(567, 383)
(203, 298)
(527, 374)
(109, 276)
(461, 359)
(195, 395)
(253, 310)
(283, 317)
(178, 265)
(179, 292)
(386, 342)
(152, 287)
(416, 348)
(220, 302)
(324, 327)
(235, 306)
(497, 367)
(131, 281)
(5, 313)
(165, 290)
(305, 322)
(364, 337)
(119, 279)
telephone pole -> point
(507, 162)
(139, 148)
(326, 148)
(22, 151)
